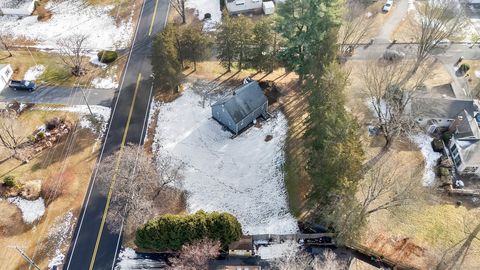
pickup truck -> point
(22, 85)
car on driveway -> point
(393, 55)
(22, 85)
(444, 43)
(388, 5)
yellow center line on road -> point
(114, 178)
(153, 18)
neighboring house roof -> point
(246, 243)
(243, 101)
(15, 3)
(448, 108)
(467, 127)
(470, 152)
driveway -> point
(59, 95)
(397, 15)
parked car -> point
(23, 85)
(388, 5)
(444, 43)
(393, 55)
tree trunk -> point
(184, 15)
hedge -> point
(107, 57)
(171, 232)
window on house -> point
(449, 120)
(240, 2)
(458, 161)
(7, 72)
(454, 147)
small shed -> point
(242, 247)
(6, 73)
(241, 108)
(268, 7)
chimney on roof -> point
(456, 123)
(234, 92)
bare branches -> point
(196, 255)
(301, 260)
(10, 137)
(438, 20)
(6, 42)
(137, 183)
(356, 25)
(179, 6)
(72, 50)
(389, 88)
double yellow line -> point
(114, 178)
(153, 18)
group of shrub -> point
(107, 57)
(9, 181)
(171, 232)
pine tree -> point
(165, 60)
(261, 55)
(226, 41)
(193, 44)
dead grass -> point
(418, 235)
(56, 166)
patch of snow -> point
(59, 234)
(477, 73)
(101, 114)
(277, 250)
(206, 6)
(105, 83)
(424, 142)
(34, 72)
(242, 176)
(72, 17)
(128, 259)
(31, 210)
(94, 61)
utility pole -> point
(28, 259)
(86, 101)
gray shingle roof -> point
(470, 152)
(441, 107)
(467, 127)
(244, 101)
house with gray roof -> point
(241, 108)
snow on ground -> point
(477, 73)
(31, 210)
(423, 141)
(72, 17)
(128, 259)
(109, 82)
(34, 72)
(277, 250)
(242, 176)
(60, 233)
(206, 6)
(101, 114)
(94, 61)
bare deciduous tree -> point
(179, 6)
(196, 255)
(301, 260)
(389, 88)
(438, 20)
(136, 182)
(5, 41)
(72, 51)
(356, 25)
(10, 137)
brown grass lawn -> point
(69, 163)
(56, 73)
(421, 234)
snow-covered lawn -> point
(423, 141)
(242, 176)
(277, 250)
(72, 17)
(109, 82)
(60, 233)
(34, 72)
(206, 6)
(31, 210)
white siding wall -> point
(5, 75)
(239, 6)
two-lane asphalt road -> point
(93, 245)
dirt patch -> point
(11, 222)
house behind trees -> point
(241, 108)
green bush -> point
(107, 57)
(447, 136)
(171, 232)
(464, 68)
(444, 172)
(41, 135)
(9, 181)
(437, 145)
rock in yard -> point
(31, 190)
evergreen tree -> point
(261, 55)
(171, 232)
(165, 60)
(308, 28)
(193, 44)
